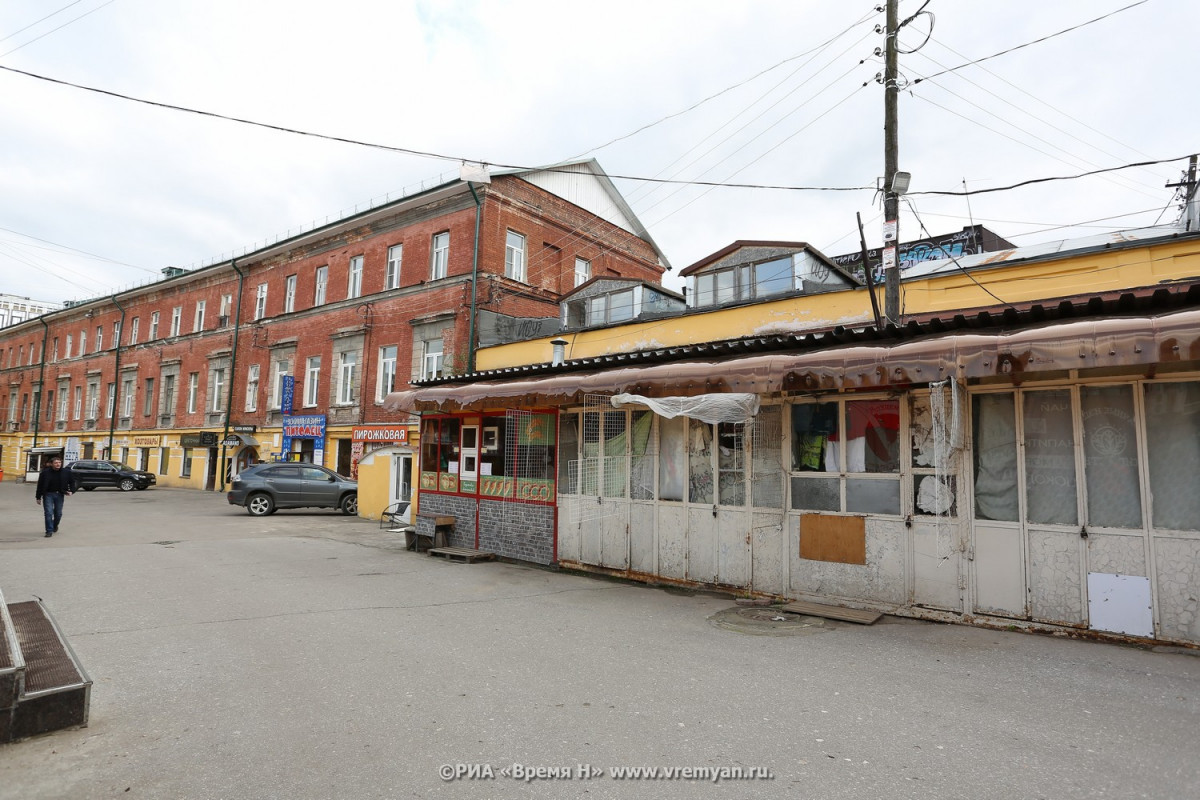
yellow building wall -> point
(1050, 279)
(374, 476)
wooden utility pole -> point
(891, 201)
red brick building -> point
(189, 374)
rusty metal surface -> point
(47, 663)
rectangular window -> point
(583, 271)
(63, 399)
(431, 364)
(127, 397)
(153, 326)
(93, 401)
(281, 372)
(168, 404)
(99, 345)
(252, 388)
(218, 390)
(995, 457)
(54, 352)
(387, 372)
(82, 342)
(322, 278)
(391, 279)
(514, 256)
(176, 320)
(348, 362)
(1173, 453)
(49, 405)
(193, 387)
(260, 301)
(856, 444)
(198, 319)
(164, 460)
(289, 294)
(312, 380)
(70, 344)
(440, 258)
(354, 281)
(116, 334)
(133, 331)
(1050, 485)
(185, 470)
(78, 409)
(226, 307)
(148, 398)
(110, 403)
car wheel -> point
(350, 504)
(126, 484)
(260, 505)
(88, 488)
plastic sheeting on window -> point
(712, 408)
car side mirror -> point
(332, 479)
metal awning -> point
(1109, 342)
(246, 439)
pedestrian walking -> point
(54, 484)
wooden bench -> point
(437, 528)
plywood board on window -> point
(824, 537)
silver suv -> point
(265, 488)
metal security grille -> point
(946, 413)
(600, 471)
(766, 458)
(524, 460)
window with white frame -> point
(99, 343)
(127, 397)
(391, 279)
(514, 256)
(281, 371)
(70, 344)
(193, 388)
(54, 352)
(846, 456)
(168, 402)
(260, 301)
(198, 319)
(289, 294)
(133, 331)
(431, 361)
(583, 271)
(387, 372)
(110, 403)
(312, 380)
(78, 409)
(354, 280)
(176, 320)
(153, 326)
(322, 278)
(93, 400)
(440, 257)
(347, 365)
(82, 342)
(226, 307)
(218, 390)
(252, 387)
(116, 334)
(148, 397)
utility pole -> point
(1191, 198)
(891, 201)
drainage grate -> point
(759, 621)
(47, 664)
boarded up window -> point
(830, 538)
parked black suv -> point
(265, 488)
(89, 474)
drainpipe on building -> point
(237, 324)
(112, 419)
(474, 281)
(37, 404)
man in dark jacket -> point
(54, 483)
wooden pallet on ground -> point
(464, 554)
(833, 612)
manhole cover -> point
(760, 621)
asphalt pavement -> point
(308, 655)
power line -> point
(1028, 44)
(1052, 178)
(38, 22)
(961, 268)
(52, 30)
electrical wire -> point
(52, 30)
(961, 268)
(1052, 178)
(1029, 44)
(38, 22)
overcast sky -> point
(98, 193)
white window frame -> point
(281, 371)
(111, 405)
(583, 271)
(99, 344)
(218, 384)
(387, 372)
(133, 331)
(354, 278)
(176, 320)
(153, 326)
(198, 318)
(348, 363)
(78, 409)
(439, 257)
(193, 387)
(260, 301)
(289, 294)
(395, 257)
(252, 387)
(127, 387)
(116, 334)
(70, 343)
(322, 281)
(226, 305)
(312, 381)
(514, 256)
(432, 361)
(82, 342)
(93, 400)
(64, 397)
